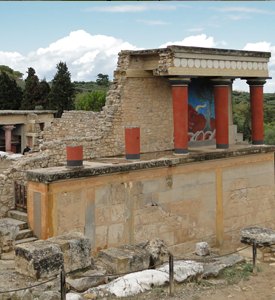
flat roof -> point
(199, 50)
(26, 112)
(147, 161)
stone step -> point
(28, 240)
(22, 225)
(23, 234)
(18, 215)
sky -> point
(88, 35)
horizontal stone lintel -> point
(49, 175)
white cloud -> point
(269, 87)
(86, 55)
(237, 17)
(148, 22)
(243, 9)
(131, 8)
(195, 41)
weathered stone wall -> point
(248, 198)
(183, 205)
(17, 172)
(147, 102)
(144, 102)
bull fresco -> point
(201, 110)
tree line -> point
(61, 94)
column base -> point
(222, 146)
(181, 151)
(258, 142)
(132, 156)
(74, 163)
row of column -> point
(180, 112)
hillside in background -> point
(242, 118)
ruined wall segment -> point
(181, 200)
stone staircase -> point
(19, 218)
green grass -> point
(236, 273)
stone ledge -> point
(94, 169)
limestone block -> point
(213, 269)
(202, 249)
(73, 296)
(183, 270)
(76, 250)
(126, 258)
(8, 233)
(50, 295)
(262, 236)
(84, 283)
(159, 252)
(40, 259)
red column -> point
(221, 112)
(8, 130)
(257, 111)
(180, 113)
(132, 142)
(74, 156)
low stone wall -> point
(17, 172)
(179, 200)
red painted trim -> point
(132, 140)
(180, 113)
(74, 152)
(257, 112)
(221, 114)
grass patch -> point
(236, 273)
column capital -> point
(8, 127)
(256, 82)
(221, 81)
(176, 81)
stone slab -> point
(76, 250)
(262, 236)
(126, 258)
(213, 269)
(40, 259)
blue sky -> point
(88, 35)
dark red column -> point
(257, 110)
(221, 112)
(180, 113)
(74, 156)
(132, 142)
(8, 129)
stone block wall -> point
(144, 102)
(248, 198)
(16, 171)
(185, 204)
(147, 102)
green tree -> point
(63, 92)
(31, 94)
(91, 101)
(269, 134)
(10, 92)
(102, 79)
(44, 91)
(10, 72)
